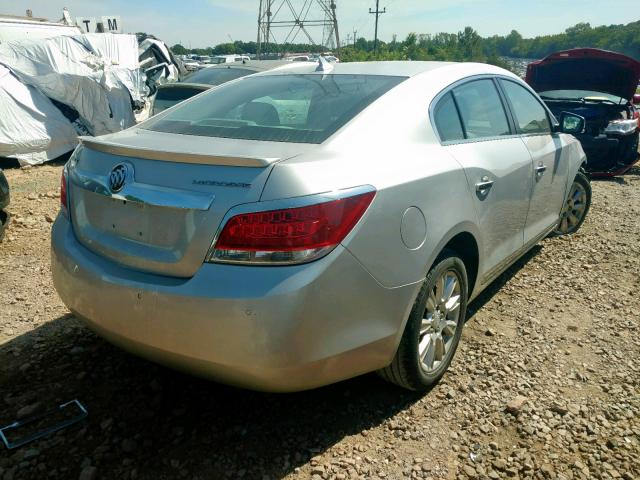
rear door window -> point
(530, 115)
(447, 120)
(481, 109)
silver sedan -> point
(292, 229)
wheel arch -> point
(463, 239)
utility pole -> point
(377, 13)
(355, 36)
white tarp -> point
(32, 129)
(65, 70)
(122, 52)
(97, 75)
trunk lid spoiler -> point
(586, 69)
(173, 156)
(172, 147)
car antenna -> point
(324, 65)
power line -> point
(377, 13)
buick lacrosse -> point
(295, 228)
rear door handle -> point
(484, 185)
(540, 169)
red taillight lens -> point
(291, 235)
(63, 191)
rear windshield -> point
(217, 76)
(281, 108)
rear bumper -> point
(265, 328)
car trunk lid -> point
(586, 69)
(164, 216)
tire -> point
(407, 368)
(4, 221)
(574, 212)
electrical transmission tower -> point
(290, 21)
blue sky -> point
(199, 23)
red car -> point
(600, 86)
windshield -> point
(281, 108)
(217, 76)
(217, 60)
(580, 95)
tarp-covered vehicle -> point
(54, 89)
(599, 86)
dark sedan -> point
(599, 86)
(170, 94)
(4, 203)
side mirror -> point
(636, 99)
(571, 123)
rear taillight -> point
(290, 235)
(63, 193)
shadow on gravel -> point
(148, 422)
(164, 424)
(488, 293)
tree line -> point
(466, 45)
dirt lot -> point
(546, 383)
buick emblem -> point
(118, 177)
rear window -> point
(281, 108)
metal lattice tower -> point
(291, 21)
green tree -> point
(179, 49)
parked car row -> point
(197, 62)
(304, 225)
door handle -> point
(484, 185)
(540, 169)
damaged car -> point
(599, 86)
(302, 226)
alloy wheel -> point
(574, 209)
(440, 321)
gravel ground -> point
(545, 383)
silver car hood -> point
(147, 144)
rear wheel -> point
(576, 206)
(433, 330)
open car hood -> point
(586, 69)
